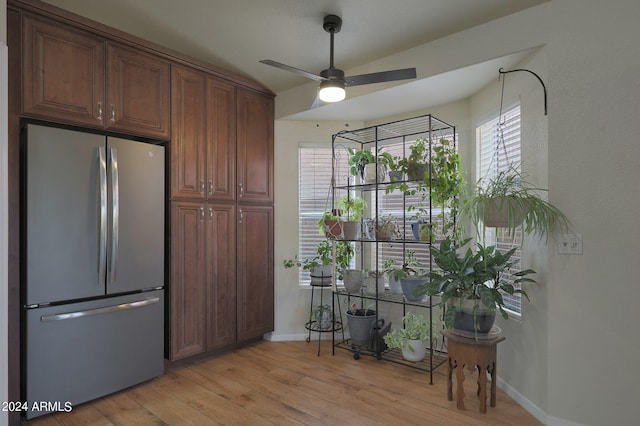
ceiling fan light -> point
(331, 91)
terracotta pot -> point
(351, 230)
(333, 229)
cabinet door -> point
(138, 88)
(63, 73)
(255, 271)
(221, 146)
(188, 141)
(221, 275)
(187, 308)
(255, 147)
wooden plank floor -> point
(286, 383)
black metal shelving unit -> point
(396, 136)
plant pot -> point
(422, 231)
(395, 176)
(370, 284)
(464, 320)
(414, 350)
(417, 171)
(369, 229)
(385, 231)
(360, 323)
(353, 279)
(394, 285)
(369, 175)
(501, 213)
(409, 286)
(325, 320)
(321, 275)
(333, 229)
(351, 230)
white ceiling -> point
(236, 34)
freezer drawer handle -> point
(100, 311)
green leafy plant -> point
(415, 328)
(358, 158)
(477, 276)
(353, 207)
(410, 267)
(327, 216)
(521, 203)
(324, 257)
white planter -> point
(370, 173)
(353, 279)
(370, 285)
(321, 275)
(414, 350)
(395, 286)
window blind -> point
(500, 145)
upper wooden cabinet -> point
(75, 77)
(203, 142)
(255, 147)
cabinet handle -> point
(113, 114)
(240, 211)
(201, 214)
(210, 186)
(99, 111)
(210, 215)
(241, 189)
(202, 186)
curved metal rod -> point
(502, 71)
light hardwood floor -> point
(286, 383)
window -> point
(314, 186)
(499, 149)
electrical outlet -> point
(570, 244)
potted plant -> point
(374, 282)
(396, 170)
(386, 227)
(323, 316)
(353, 280)
(353, 208)
(360, 322)
(508, 201)
(319, 266)
(412, 339)
(330, 224)
(416, 164)
(470, 285)
(410, 275)
(446, 184)
(369, 167)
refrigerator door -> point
(65, 208)
(82, 351)
(136, 216)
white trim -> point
(524, 402)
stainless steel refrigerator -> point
(93, 266)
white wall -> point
(571, 359)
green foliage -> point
(415, 328)
(475, 276)
(516, 197)
(410, 267)
(324, 256)
(353, 207)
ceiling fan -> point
(332, 80)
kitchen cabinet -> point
(76, 77)
(203, 284)
(221, 134)
(255, 147)
(255, 271)
(204, 136)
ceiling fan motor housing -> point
(332, 24)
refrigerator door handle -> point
(115, 220)
(100, 311)
(102, 246)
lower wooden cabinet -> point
(255, 271)
(221, 290)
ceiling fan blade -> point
(380, 77)
(292, 69)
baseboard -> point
(532, 408)
(273, 337)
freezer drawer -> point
(79, 352)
